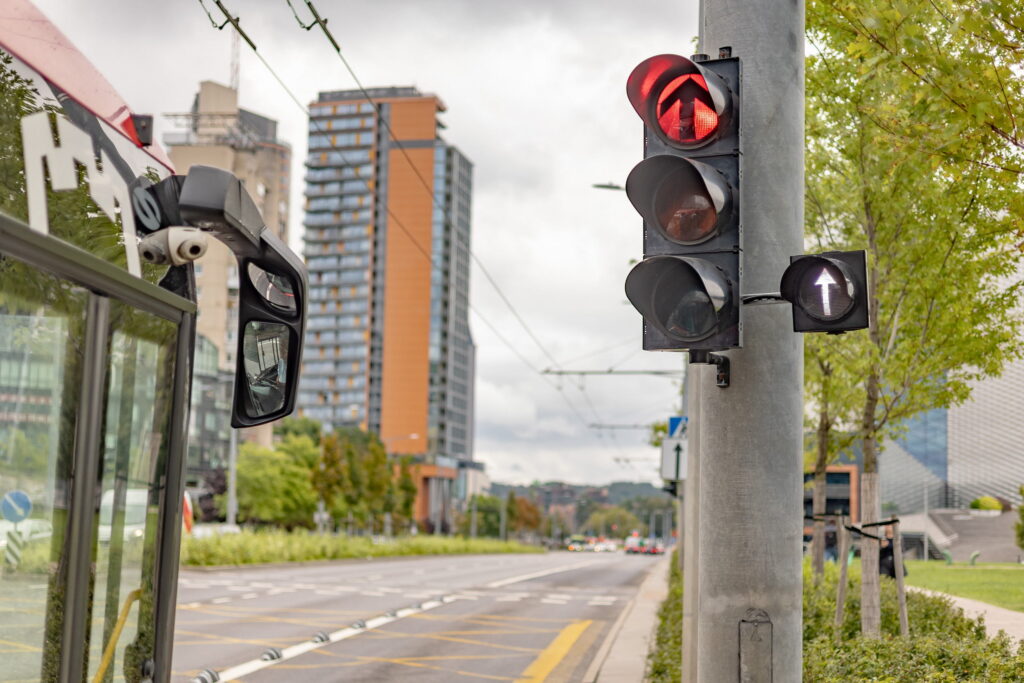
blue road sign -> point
(676, 426)
(15, 506)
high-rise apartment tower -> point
(388, 346)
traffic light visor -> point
(682, 297)
(685, 200)
(679, 101)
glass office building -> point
(388, 346)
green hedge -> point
(986, 503)
(944, 645)
(663, 659)
(256, 547)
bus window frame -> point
(106, 281)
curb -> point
(622, 657)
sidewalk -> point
(622, 657)
(996, 618)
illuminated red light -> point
(684, 110)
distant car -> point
(136, 506)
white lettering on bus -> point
(106, 187)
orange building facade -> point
(388, 346)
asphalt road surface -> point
(448, 618)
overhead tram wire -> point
(322, 23)
(233, 21)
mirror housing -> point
(215, 201)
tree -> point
(273, 488)
(299, 426)
(898, 170)
(525, 516)
(613, 520)
(1020, 523)
(957, 60)
(488, 517)
(832, 395)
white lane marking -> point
(326, 593)
(346, 589)
(558, 596)
(600, 603)
(460, 596)
(238, 589)
(220, 601)
(250, 596)
(287, 653)
(549, 601)
(543, 572)
(278, 591)
(372, 594)
(305, 586)
(261, 584)
(192, 604)
(508, 598)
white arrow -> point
(824, 281)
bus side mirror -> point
(272, 291)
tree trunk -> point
(818, 499)
(870, 592)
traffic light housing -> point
(828, 291)
(687, 287)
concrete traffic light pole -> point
(748, 604)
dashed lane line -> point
(288, 653)
(538, 574)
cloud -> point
(535, 92)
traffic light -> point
(828, 291)
(687, 287)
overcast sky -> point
(535, 92)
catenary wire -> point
(233, 21)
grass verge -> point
(257, 547)
(664, 658)
(996, 584)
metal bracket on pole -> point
(706, 357)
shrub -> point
(255, 547)
(986, 503)
(663, 659)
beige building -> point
(216, 132)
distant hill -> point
(614, 493)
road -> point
(502, 617)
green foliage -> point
(944, 645)
(1020, 522)
(615, 521)
(907, 157)
(273, 486)
(986, 503)
(663, 659)
(488, 517)
(933, 658)
(254, 547)
(298, 426)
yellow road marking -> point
(23, 646)
(554, 653)
(431, 636)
